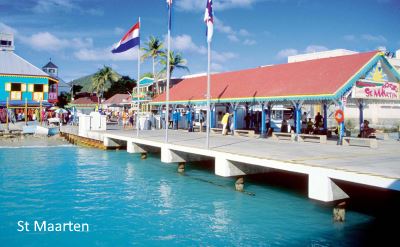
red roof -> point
(308, 78)
(85, 100)
(118, 99)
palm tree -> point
(100, 79)
(176, 61)
(153, 49)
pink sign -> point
(376, 90)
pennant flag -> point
(209, 20)
(169, 2)
(130, 40)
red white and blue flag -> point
(209, 20)
(130, 40)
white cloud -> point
(381, 48)
(315, 48)
(221, 57)
(286, 53)
(47, 6)
(7, 29)
(216, 67)
(283, 54)
(118, 31)
(45, 41)
(365, 37)
(105, 54)
(249, 42)
(232, 35)
(233, 38)
(199, 5)
(184, 43)
(374, 38)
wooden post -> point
(26, 111)
(7, 120)
(40, 113)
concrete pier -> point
(240, 156)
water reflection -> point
(221, 220)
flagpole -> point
(138, 87)
(208, 94)
(168, 74)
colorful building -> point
(359, 79)
(21, 82)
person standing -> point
(224, 121)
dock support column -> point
(239, 184)
(322, 188)
(108, 142)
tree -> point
(100, 80)
(124, 85)
(176, 61)
(153, 49)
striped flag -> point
(130, 40)
(209, 20)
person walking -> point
(224, 121)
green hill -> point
(86, 83)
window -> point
(38, 88)
(15, 93)
(15, 86)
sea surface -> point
(127, 201)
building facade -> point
(22, 83)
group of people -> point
(307, 126)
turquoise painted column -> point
(298, 118)
(234, 117)
(212, 117)
(269, 110)
(325, 116)
(341, 135)
(262, 119)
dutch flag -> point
(130, 40)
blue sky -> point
(78, 34)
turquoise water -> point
(128, 201)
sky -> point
(78, 35)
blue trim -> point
(126, 46)
(361, 109)
(325, 116)
(356, 77)
(262, 119)
(392, 69)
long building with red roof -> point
(313, 80)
